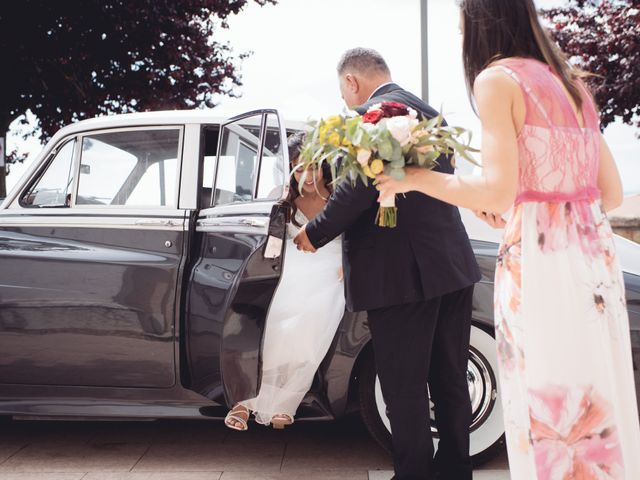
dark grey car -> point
(138, 259)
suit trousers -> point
(420, 344)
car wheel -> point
(487, 428)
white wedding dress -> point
(302, 321)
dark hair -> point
(294, 144)
(495, 29)
(363, 60)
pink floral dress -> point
(562, 328)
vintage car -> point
(138, 259)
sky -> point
(297, 43)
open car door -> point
(240, 237)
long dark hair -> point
(495, 29)
(294, 144)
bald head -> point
(361, 71)
(363, 60)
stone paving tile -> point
(42, 476)
(153, 476)
(161, 432)
(235, 456)
(321, 475)
(62, 457)
(45, 432)
(336, 454)
(341, 445)
(8, 450)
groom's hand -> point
(302, 241)
(495, 220)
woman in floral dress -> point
(562, 329)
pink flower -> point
(573, 434)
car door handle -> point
(254, 222)
(156, 223)
(250, 222)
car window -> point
(135, 168)
(53, 188)
(237, 163)
(272, 176)
(241, 176)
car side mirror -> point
(86, 169)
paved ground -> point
(196, 450)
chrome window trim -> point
(262, 208)
(228, 125)
(38, 170)
(285, 155)
(264, 114)
(258, 164)
(283, 147)
(188, 175)
(180, 128)
(76, 170)
(91, 218)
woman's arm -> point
(495, 190)
(609, 181)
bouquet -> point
(387, 138)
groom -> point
(416, 283)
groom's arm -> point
(344, 207)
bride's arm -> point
(495, 190)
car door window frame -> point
(42, 169)
(264, 115)
(179, 159)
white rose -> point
(412, 113)
(400, 128)
(376, 106)
(363, 156)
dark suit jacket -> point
(427, 255)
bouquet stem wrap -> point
(387, 213)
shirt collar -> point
(380, 87)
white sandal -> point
(281, 420)
(232, 416)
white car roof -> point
(163, 117)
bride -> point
(304, 314)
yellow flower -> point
(367, 171)
(346, 142)
(333, 121)
(322, 133)
(334, 139)
(377, 166)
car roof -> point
(161, 117)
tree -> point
(603, 38)
(66, 61)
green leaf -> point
(397, 173)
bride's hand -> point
(388, 187)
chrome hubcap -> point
(482, 392)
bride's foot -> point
(237, 418)
(281, 420)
